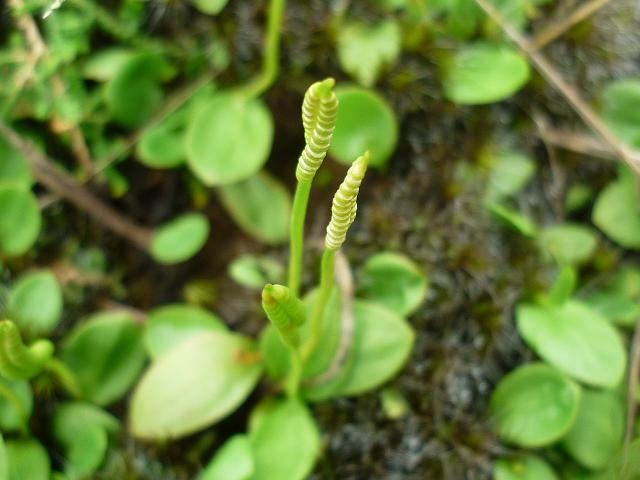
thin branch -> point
(578, 142)
(558, 28)
(632, 385)
(62, 184)
(39, 50)
(582, 108)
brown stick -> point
(539, 61)
(558, 28)
(62, 184)
(39, 49)
(578, 142)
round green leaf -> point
(484, 73)
(523, 468)
(365, 122)
(194, 385)
(253, 271)
(510, 171)
(233, 461)
(35, 303)
(27, 460)
(180, 239)
(210, 7)
(171, 325)
(104, 64)
(163, 145)
(534, 406)
(229, 139)
(568, 243)
(620, 106)
(381, 346)
(19, 220)
(261, 206)
(16, 404)
(14, 169)
(106, 353)
(134, 93)
(597, 434)
(617, 215)
(394, 281)
(285, 441)
(82, 430)
(576, 340)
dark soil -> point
(420, 206)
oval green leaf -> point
(210, 7)
(233, 461)
(523, 468)
(394, 281)
(35, 303)
(16, 404)
(261, 206)
(180, 239)
(163, 145)
(576, 340)
(534, 406)
(615, 215)
(229, 139)
(597, 434)
(106, 353)
(194, 385)
(620, 107)
(171, 325)
(484, 73)
(285, 441)
(568, 243)
(14, 169)
(365, 122)
(20, 220)
(27, 459)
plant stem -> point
(295, 375)
(65, 376)
(296, 234)
(271, 58)
(326, 284)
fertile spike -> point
(284, 310)
(343, 210)
(18, 361)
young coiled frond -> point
(284, 310)
(344, 208)
(319, 112)
(17, 361)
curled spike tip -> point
(284, 310)
(319, 113)
(344, 207)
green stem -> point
(295, 375)
(296, 235)
(326, 285)
(271, 58)
(65, 376)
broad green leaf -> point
(381, 346)
(626, 465)
(576, 340)
(253, 271)
(164, 145)
(523, 468)
(194, 385)
(597, 433)
(534, 406)
(510, 171)
(35, 303)
(394, 281)
(613, 306)
(134, 92)
(179, 239)
(285, 442)
(512, 218)
(617, 214)
(20, 221)
(620, 107)
(578, 196)
(364, 50)
(462, 17)
(568, 243)
(261, 206)
(104, 64)
(210, 7)
(27, 460)
(82, 429)
(229, 139)
(232, 461)
(67, 33)
(170, 325)
(4, 461)
(365, 122)
(483, 73)
(14, 169)
(16, 404)
(106, 353)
